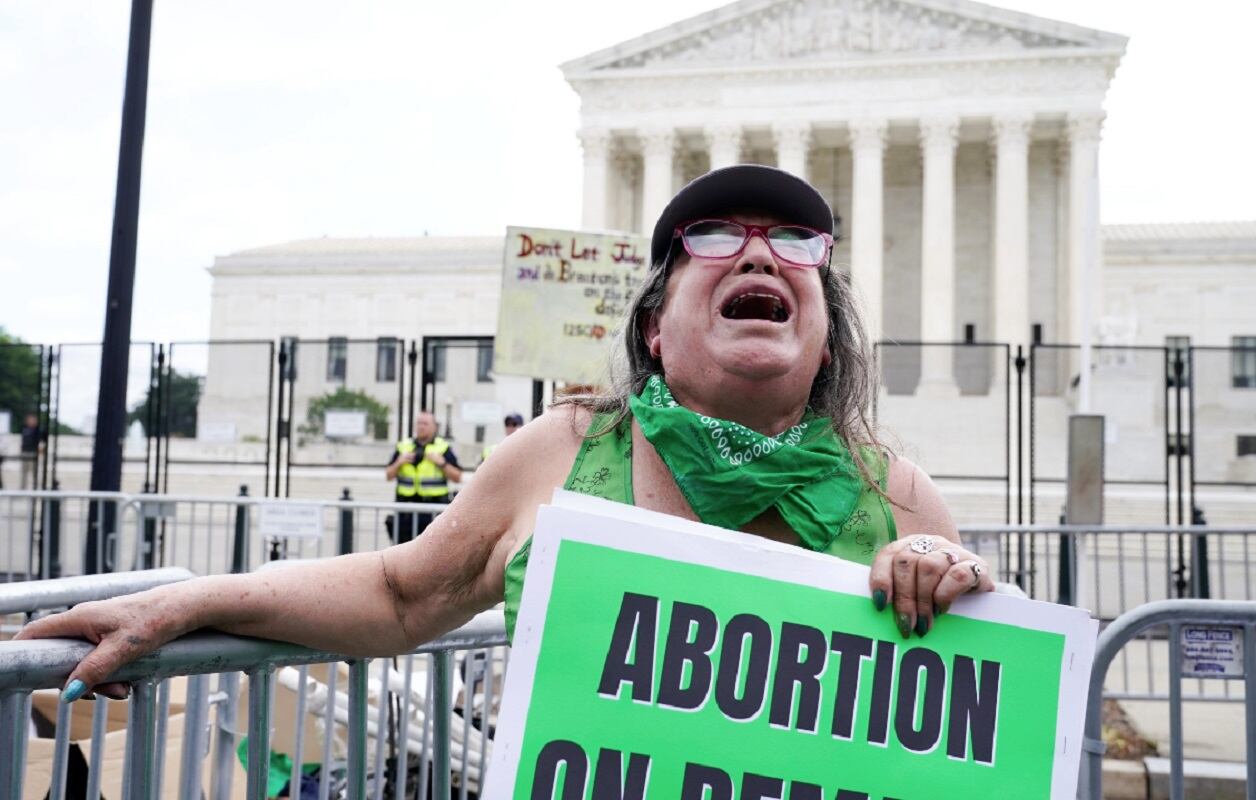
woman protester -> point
(743, 403)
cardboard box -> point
(39, 752)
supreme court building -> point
(957, 144)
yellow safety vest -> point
(422, 479)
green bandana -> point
(731, 474)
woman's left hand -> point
(921, 575)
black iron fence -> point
(306, 417)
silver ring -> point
(952, 557)
(922, 544)
(976, 570)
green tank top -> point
(603, 468)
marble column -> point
(938, 139)
(793, 142)
(724, 142)
(867, 236)
(1083, 239)
(1011, 232)
(595, 142)
(658, 147)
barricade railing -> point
(48, 534)
(28, 597)
(1108, 569)
(430, 732)
(1113, 569)
(28, 666)
(1175, 615)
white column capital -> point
(793, 140)
(657, 142)
(1085, 127)
(940, 131)
(1011, 130)
(724, 143)
(792, 134)
(868, 134)
(595, 142)
(723, 134)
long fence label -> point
(563, 295)
(654, 658)
(1212, 651)
(289, 520)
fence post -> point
(1200, 583)
(442, 706)
(1177, 451)
(1020, 465)
(14, 719)
(148, 533)
(195, 736)
(240, 542)
(227, 699)
(346, 524)
(1067, 562)
(50, 551)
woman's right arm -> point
(364, 604)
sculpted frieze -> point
(837, 29)
(859, 83)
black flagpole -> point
(115, 350)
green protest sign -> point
(665, 659)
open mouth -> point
(756, 305)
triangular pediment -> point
(762, 31)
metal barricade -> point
(1112, 570)
(47, 534)
(32, 665)
(31, 597)
(27, 597)
(1109, 569)
(1174, 614)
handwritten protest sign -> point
(659, 658)
(563, 295)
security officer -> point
(422, 466)
(512, 423)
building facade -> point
(957, 144)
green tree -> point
(19, 379)
(183, 395)
(346, 399)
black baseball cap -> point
(744, 186)
(515, 419)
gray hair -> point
(842, 390)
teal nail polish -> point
(73, 691)
(922, 626)
(904, 624)
(878, 599)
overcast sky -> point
(279, 120)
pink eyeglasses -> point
(796, 245)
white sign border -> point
(569, 517)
